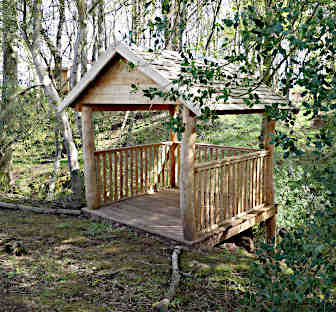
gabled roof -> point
(164, 68)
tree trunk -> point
(33, 45)
(9, 86)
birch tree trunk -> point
(33, 44)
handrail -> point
(126, 148)
(230, 160)
(243, 149)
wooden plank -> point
(241, 193)
(110, 176)
(104, 175)
(231, 160)
(137, 188)
(101, 107)
(269, 183)
(221, 185)
(248, 222)
(121, 175)
(206, 198)
(173, 166)
(126, 173)
(164, 157)
(122, 97)
(217, 194)
(115, 169)
(196, 200)
(151, 167)
(246, 186)
(203, 185)
(173, 138)
(229, 192)
(211, 201)
(99, 179)
(90, 173)
(179, 163)
(230, 148)
(187, 176)
(126, 148)
(234, 189)
(141, 170)
(132, 184)
(159, 182)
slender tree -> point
(9, 87)
(31, 29)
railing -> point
(229, 188)
(228, 181)
(126, 172)
(209, 152)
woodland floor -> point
(74, 264)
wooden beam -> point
(269, 183)
(91, 188)
(173, 137)
(187, 175)
(125, 107)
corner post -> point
(173, 138)
(91, 189)
(269, 183)
(187, 175)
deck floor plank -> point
(159, 214)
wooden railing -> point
(229, 187)
(209, 152)
(228, 182)
(126, 172)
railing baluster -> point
(132, 188)
(110, 176)
(121, 175)
(196, 196)
(99, 178)
(141, 170)
(136, 171)
(126, 173)
(104, 178)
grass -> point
(74, 264)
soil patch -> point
(74, 264)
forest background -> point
(288, 45)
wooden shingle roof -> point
(164, 68)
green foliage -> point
(19, 120)
(299, 274)
(296, 194)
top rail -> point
(121, 149)
(243, 149)
(230, 160)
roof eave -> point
(121, 49)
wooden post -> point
(187, 175)
(269, 183)
(91, 190)
(173, 137)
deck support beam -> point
(91, 189)
(173, 137)
(187, 175)
(269, 183)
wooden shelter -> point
(184, 191)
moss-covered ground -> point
(73, 264)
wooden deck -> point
(159, 214)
